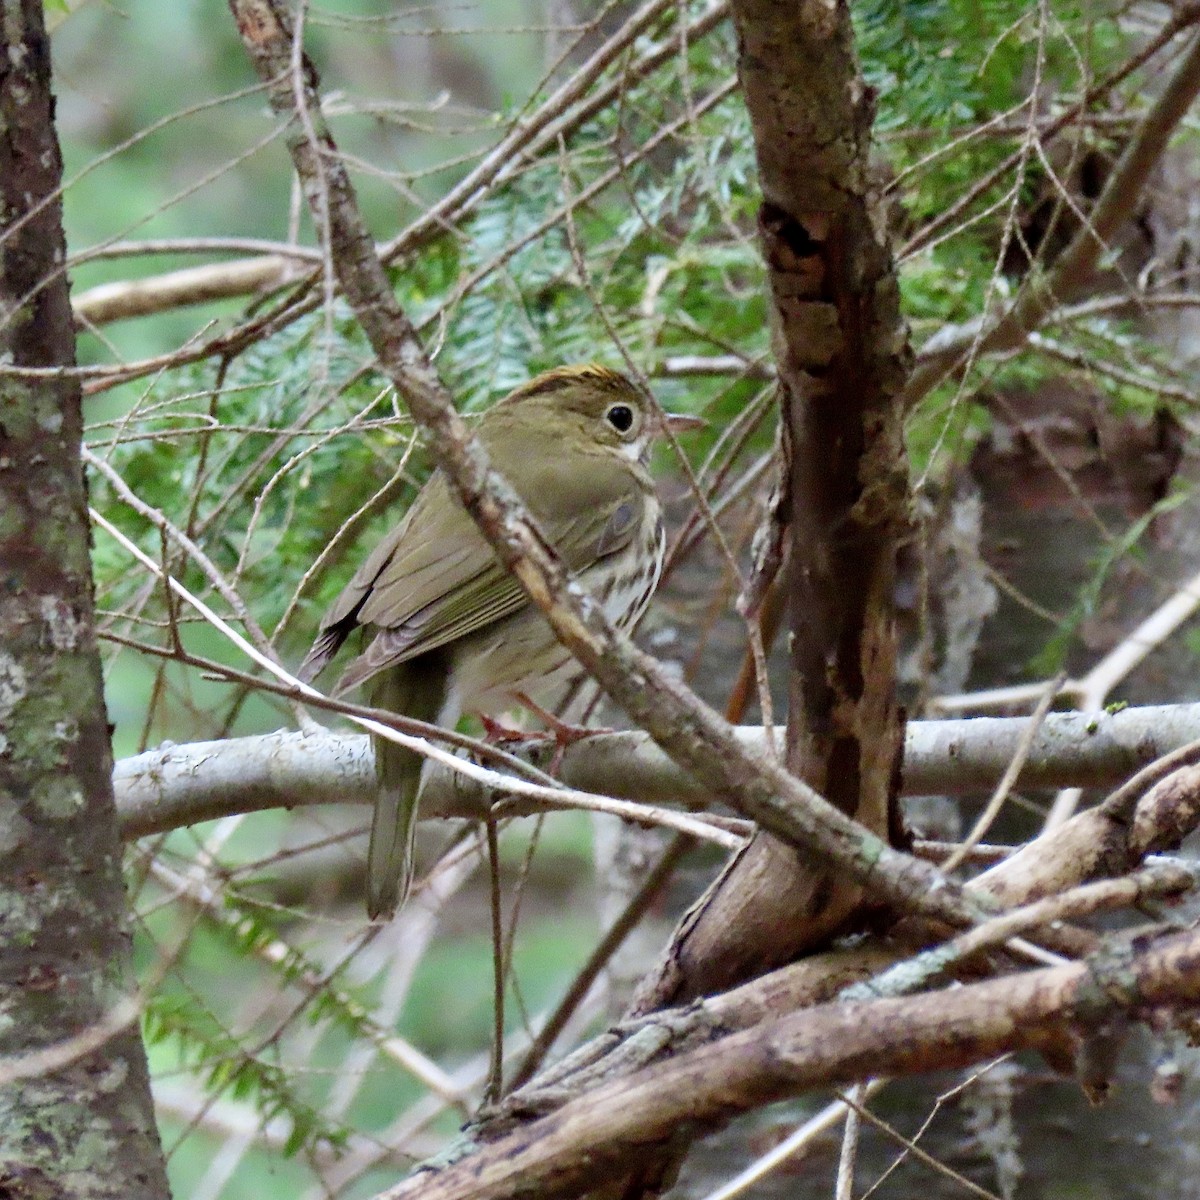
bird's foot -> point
(563, 732)
(500, 734)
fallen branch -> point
(1124, 833)
(591, 1137)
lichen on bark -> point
(76, 1116)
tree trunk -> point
(842, 352)
(76, 1116)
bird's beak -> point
(682, 422)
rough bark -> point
(589, 1140)
(75, 1111)
(1153, 812)
(842, 353)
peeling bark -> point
(843, 357)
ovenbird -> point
(453, 631)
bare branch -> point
(177, 785)
(108, 302)
(582, 1143)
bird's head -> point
(591, 405)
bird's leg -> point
(564, 733)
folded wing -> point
(435, 579)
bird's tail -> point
(413, 692)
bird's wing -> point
(436, 579)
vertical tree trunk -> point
(75, 1110)
(842, 351)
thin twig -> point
(495, 1083)
(844, 1186)
(992, 809)
(944, 353)
(608, 945)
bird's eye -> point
(620, 417)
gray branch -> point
(178, 785)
